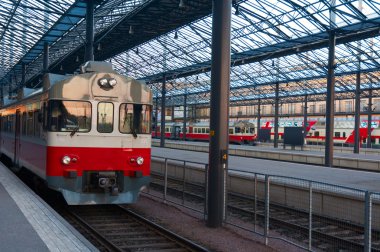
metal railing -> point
(308, 214)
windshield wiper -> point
(75, 130)
(134, 132)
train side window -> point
(135, 119)
(344, 134)
(45, 116)
(105, 117)
(203, 130)
(207, 130)
(337, 134)
(231, 131)
(37, 128)
(69, 116)
(29, 123)
(316, 133)
(23, 121)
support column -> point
(89, 50)
(357, 114)
(46, 58)
(156, 122)
(275, 142)
(369, 124)
(184, 117)
(329, 148)
(258, 119)
(305, 118)
(163, 108)
(219, 103)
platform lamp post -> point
(219, 104)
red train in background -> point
(245, 132)
(87, 135)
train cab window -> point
(251, 130)
(105, 117)
(70, 116)
(135, 119)
(203, 130)
(231, 130)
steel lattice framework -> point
(274, 41)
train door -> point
(176, 132)
(17, 139)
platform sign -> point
(264, 135)
(294, 136)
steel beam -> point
(184, 116)
(305, 118)
(219, 108)
(369, 123)
(163, 108)
(46, 58)
(357, 114)
(275, 141)
(156, 121)
(329, 148)
(258, 119)
(89, 49)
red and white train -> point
(244, 132)
(87, 135)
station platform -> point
(368, 160)
(363, 180)
(29, 224)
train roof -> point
(86, 86)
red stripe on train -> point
(97, 159)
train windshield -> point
(70, 116)
(135, 119)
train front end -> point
(98, 137)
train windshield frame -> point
(135, 118)
(69, 116)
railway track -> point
(327, 234)
(114, 228)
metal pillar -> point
(258, 118)
(156, 121)
(163, 97)
(184, 117)
(357, 115)
(275, 141)
(173, 108)
(89, 51)
(46, 58)
(369, 124)
(305, 118)
(219, 103)
(329, 148)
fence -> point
(309, 214)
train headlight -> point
(103, 82)
(112, 82)
(140, 160)
(66, 160)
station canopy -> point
(273, 41)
